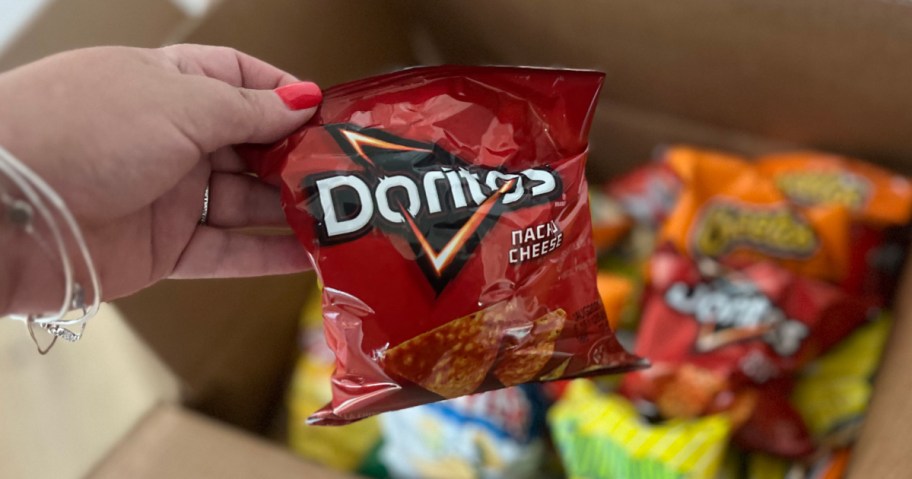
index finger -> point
(228, 65)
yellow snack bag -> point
(833, 392)
(764, 466)
(602, 435)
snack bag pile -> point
(878, 201)
(466, 285)
(764, 295)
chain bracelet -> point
(40, 201)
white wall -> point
(15, 14)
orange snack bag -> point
(729, 211)
(872, 194)
(616, 292)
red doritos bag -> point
(445, 211)
(648, 192)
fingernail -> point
(301, 95)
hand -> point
(130, 138)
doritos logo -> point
(441, 204)
(825, 187)
(724, 226)
(733, 311)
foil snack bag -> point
(747, 325)
(493, 435)
(445, 210)
(728, 211)
(601, 435)
(879, 202)
(871, 194)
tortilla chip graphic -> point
(451, 360)
(522, 362)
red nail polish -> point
(301, 95)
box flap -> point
(624, 136)
(328, 42)
(883, 449)
(77, 401)
(833, 74)
(173, 442)
(231, 342)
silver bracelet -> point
(39, 200)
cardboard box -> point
(171, 442)
(327, 42)
(741, 75)
(744, 75)
(62, 412)
(230, 343)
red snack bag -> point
(714, 332)
(775, 426)
(445, 210)
(749, 325)
(648, 193)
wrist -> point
(16, 249)
(30, 279)
(13, 243)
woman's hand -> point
(130, 138)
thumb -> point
(264, 116)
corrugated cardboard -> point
(59, 413)
(230, 342)
(174, 443)
(827, 73)
(884, 451)
(328, 42)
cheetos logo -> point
(724, 225)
